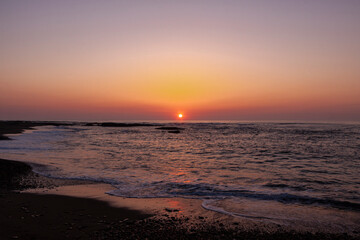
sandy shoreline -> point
(37, 207)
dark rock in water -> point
(170, 128)
(176, 131)
(172, 210)
(56, 124)
(111, 124)
(92, 124)
(4, 137)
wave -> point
(207, 204)
(209, 191)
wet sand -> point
(37, 207)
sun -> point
(180, 115)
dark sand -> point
(35, 216)
(37, 207)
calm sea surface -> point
(280, 172)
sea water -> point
(287, 173)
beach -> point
(38, 207)
(202, 119)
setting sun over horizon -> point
(216, 60)
(196, 119)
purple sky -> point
(152, 59)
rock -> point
(171, 210)
(176, 131)
(110, 124)
(170, 128)
(2, 137)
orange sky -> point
(150, 60)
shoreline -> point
(39, 207)
(27, 215)
(76, 209)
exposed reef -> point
(170, 128)
(112, 124)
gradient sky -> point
(152, 59)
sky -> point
(153, 59)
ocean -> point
(287, 173)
